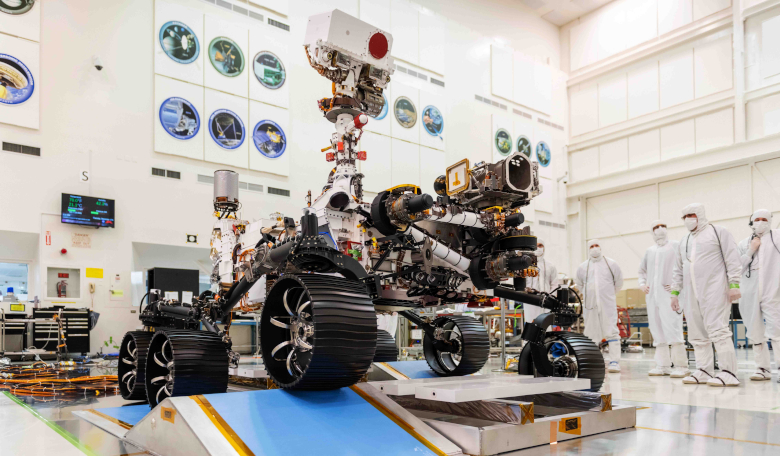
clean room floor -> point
(685, 419)
(672, 419)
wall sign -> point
(524, 146)
(15, 7)
(16, 81)
(269, 70)
(226, 129)
(81, 240)
(226, 56)
(543, 154)
(179, 118)
(269, 139)
(503, 141)
(179, 42)
(433, 121)
(405, 112)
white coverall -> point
(388, 323)
(666, 325)
(760, 285)
(546, 281)
(600, 279)
(707, 264)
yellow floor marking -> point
(710, 436)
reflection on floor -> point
(685, 419)
(673, 419)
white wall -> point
(623, 25)
(103, 122)
(685, 113)
(762, 73)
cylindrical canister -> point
(225, 186)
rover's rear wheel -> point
(461, 346)
(571, 354)
(386, 350)
(132, 364)
(184, 363)
(317, 331)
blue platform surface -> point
(338, 422)
(413, 369)
(130, 414)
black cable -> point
(141, 304)
(773, 241)
(753, 257)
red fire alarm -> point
(63, 251)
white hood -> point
(659, 239)
(698, 209)
(591, 243)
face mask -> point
(761, 227)
(659, 233)
(691, 223)
(539, 252)
(595, 252)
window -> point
(13, 282)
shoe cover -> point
(680, 357)
(699, 377)
(660, 371)
(762, 356)
(614, 350)
(761, 375)
(727, 357)
(662, 358)
(723, 379)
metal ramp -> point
(478, 415)
(278, 422)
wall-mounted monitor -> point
(87, 210)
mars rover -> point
(322, 278)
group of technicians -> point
(699, 277)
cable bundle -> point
(45, 381)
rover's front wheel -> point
(317, 332)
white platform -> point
(250, 371)
(465, 389)
(408, 387)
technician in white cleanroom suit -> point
(600, 278)
(546, 281)
(387, 322)
(666, 326)
(707, 266)
(760, 285)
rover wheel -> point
(184, 363)
(318, 332)
(572, 355)
(386, 350)
(461, 346)
(132, 364)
